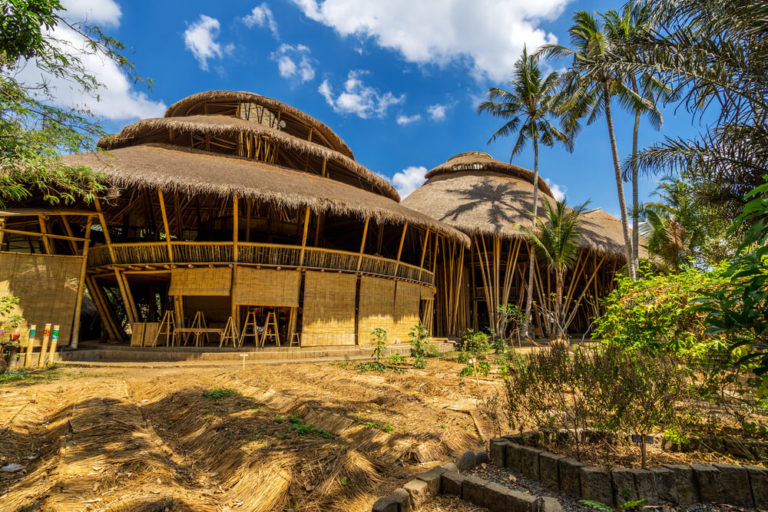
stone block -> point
(596, 485)
(467, 461)
(758, 481)
(664, 482)
(570, 476)
(529, 462)
(451, 482)
(549, 504)
(498, 448)
(473, 489)
(549, 473)
(707, 479)
(418, 490)
(645, 486)
(450, 466)
(685, 484)
(432, 479)
(512, 456)
(521, 502)
(517, 438)
(397, 501)
(481, 457)
(735, 485)
(624, 489)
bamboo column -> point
(165, 225)
(103, 223)
(42, 220)
(74, 339)
(2, 232)
(400, 247)
(235, 228)
(423, 253)
(304, 236)
(362, 243)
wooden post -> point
(124, 295)
(103, 223)
(362, 244)
(423, 254)
(44, 346)
(2, 232)
(304, 237)
(248, 220)
(400, 247)
(68, 230)
(235, 228)
(44, 230)
(165, 225)
(54, 344)
(30, 344)
(81, 287)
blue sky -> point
(399, 80)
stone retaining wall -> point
(745, 486)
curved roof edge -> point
(479, 161)
(176, 110)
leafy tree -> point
(556, 242)
(33, 132)
(527, 110)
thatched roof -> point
(489, 202)
(193, 105)
(157, 130)
(479, 161)
(191, 171)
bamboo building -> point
(234, 214)
(489, 200)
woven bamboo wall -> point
(257, 287)
(329, 309)
(46, 287)
(407, 299)
(201, 281)
(377, 307)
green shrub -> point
(379, 339)
(420, 346)
(218, 393)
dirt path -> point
(305, 437)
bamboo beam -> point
(68, 230)
(235, 228)
(44, 231)
(304, 237)
(103, 223)
(73, 341)
(165, 225)
(248, 220)
(124, 295)
(49, 235)
(2, 232)
(423, 253)
(581, 296)
(362, 243)
(400, 247)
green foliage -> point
(629, 505)
(474, 345)
(219, 393)
(371, 366)
(8, 305)
(512, 316)
(384, 427)
(379, 339)
(302, 429)
(474, 342)
(396, 359)
(658, 313)
(420, 346)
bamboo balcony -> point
(248, 253)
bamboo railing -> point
(274, 255)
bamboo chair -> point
(230, 334)
(250, 321)
(167, 325)
(270, 323)
(295, 340)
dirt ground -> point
(302, 437)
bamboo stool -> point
(167, 325)
(295, 340)
(229, 334)
(271, 321)
(250, 320)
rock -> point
(498, 448)
(548, 470)
(735, 485)
(397, 501)
(418, 491)
(664, 482)
(645, 486)
(451, 483)
(473, 489)
(549, 504)
(596, 485)
(624, 489)
(481, 457)
(758, 480)
(499, 498)
(467, 461)
(684, 484)
(513, 456)
(11, 468)
(529, 462)
(707, 479)
(432, 479)
(450, 466)
(570, 476)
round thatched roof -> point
(479, 195)
(296, 122)
(163, 130)
(191, 171)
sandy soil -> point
(146, 439)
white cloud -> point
(402, 120)
(488, 35)
(408, 180)
(200, 39)
(359, 99)
(437, 111)
(96, 12)
(294, 62)
(116, 99)
(261, 15)
(558, 191)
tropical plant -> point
(527, 110)
(556, 242)
(588, 90)
(420, 346)
(512, 314)
(379, 339)
(33, 131)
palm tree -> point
(635, 22)
(556, 241)
(589, 87)
(527, 110)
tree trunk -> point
(532, 256)
(635, 199)
(619, 184)
(559, 278)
